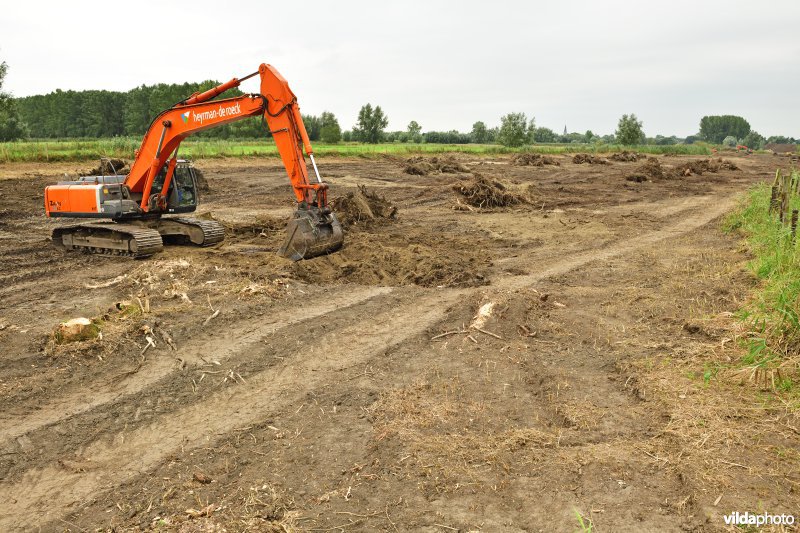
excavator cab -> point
(182, 193)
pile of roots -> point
(533, 160)
(421, 166)
(650, 170)
(698, 167)
(108, 167)
(626, 157)
(580, 159)
(363, 207)
(484, 192)
(408, 256)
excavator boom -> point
(148, 191)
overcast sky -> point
(444, 64)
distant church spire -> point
(565, 129)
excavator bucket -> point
(312, 232)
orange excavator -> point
(160, 184)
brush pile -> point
(533, 160)
(484, 192)
(652, 169)
(108, 167)
(363, 207)
(626, 157)
(698, 167)
(421, 166)
(580, 159)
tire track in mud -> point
(719, 207)
(238, 339)
(46, 492)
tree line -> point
(99, 113)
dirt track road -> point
(318, 400)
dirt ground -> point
(456, 368)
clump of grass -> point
(584, 523)
(773, 312)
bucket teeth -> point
(311, 232)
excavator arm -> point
(278, 105)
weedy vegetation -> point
(767, 220)
(199, 148)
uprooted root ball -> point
(533, 160)
(107, 167)
(626, 156)
(580, 159)
(482, 192)
(651, 168)
(421, 166)
(363, 207)
(705, 165)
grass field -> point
(123, 147)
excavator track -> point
(109, 238)
(213, 232)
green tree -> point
(730, 140)
(754, 140)
(313, 126)
(371, 124)
(530, 130)
(414, 131)
(715, 128)
(629, 130)
(513, 129)
(479, 133)
(136, 110)
(331, 132)
(660, 140)
(544, 135)
(781, 139)
(11, 126)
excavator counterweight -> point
(160, 184)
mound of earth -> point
(108, 167)
(409, 257)
(533, 160)
(580, 159)
(373, 254)
(651, 169)
(482, 191)
(202, 181)
(421, 166)
(626, 156)
(697, 167)
(362, 206)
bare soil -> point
(450, 369)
